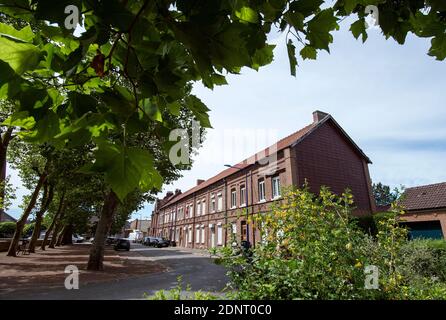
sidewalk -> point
(45, 269)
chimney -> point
(319, 116)
(169, 194)
(177, 191)
(199, 181)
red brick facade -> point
(320, 153)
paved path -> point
(197, 269)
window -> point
(234, 228)
(189, 236)
(202, 234)
(212, 203)
(197, 234)
(203, 207)
(191, 210)
(244, 228)
(242, 196)
(198, 208)
(276, 187)
(219, 234)
(233, 198)
(219, 202)
(262, 190)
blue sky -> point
(389, 98)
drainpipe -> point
(226, 210)
(252, 212)
(193, 221)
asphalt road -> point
(196, 269)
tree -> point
(136, 60)
(383, 195)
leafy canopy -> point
(137, 60)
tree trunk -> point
(56, 232)
(67, 236)
(61, 235)
(96, 259)
(5, 139)
(60, 209)
(46, 200)
(12, 252)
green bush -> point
(313, 249)
(424, 258)
(180, 293)
(7, 229)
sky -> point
(389, 98)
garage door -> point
(425, 230)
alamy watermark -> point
(72, 279)
(371, 281)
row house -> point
(215, 212)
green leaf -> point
(438, 47)
(305, 7)
(199, 110)
(25, 34)
(291, 49)
(125, 168)
(20, 56)
(319, 29)
(308, 52)
(263, 56)
(45, 129)
(9, 81)
(152, 111)
(20, 119)
(247, 14)
(359, 28)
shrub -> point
(424, 258)
(7, 229)
(180, 293)
(313, 249)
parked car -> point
(148, 241)
(122, 244)
(110, 240)
(161, 242)
(77, 238)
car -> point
(110, 240)
(122, 244)
(77, 238)
(161, 242)
(149, 241)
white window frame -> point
(233, 198)
(213, 203)
(203, 234)
(198, 208)
(242, 196)
(262, 190)
(203, 207)
(275, 188)
(197, 234)
(219, 234)
(189, 234)
(219, 201)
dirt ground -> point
(46, 268)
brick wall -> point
(326, 158)
(433, 215)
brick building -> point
(425, 208)
(321, 153)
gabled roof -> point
(430, 196)
(291, 140)
(4, 217)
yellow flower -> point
(348, 246)
(358, 264)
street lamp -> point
(246, 199)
